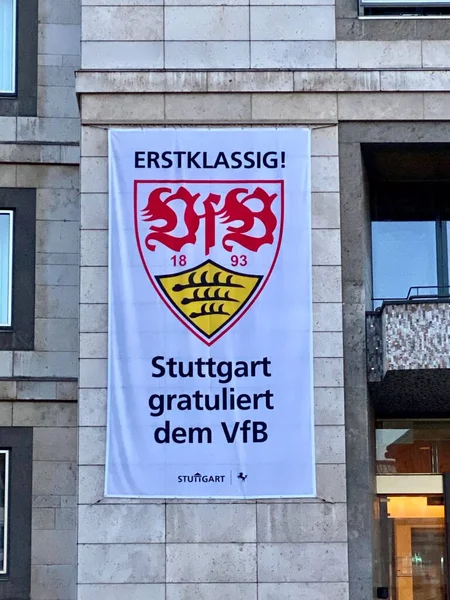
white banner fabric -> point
(210, 351)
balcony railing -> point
(417, 293)
(411, 333)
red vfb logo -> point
(209, 247)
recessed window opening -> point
(8, 20)
(410, 226)
(410, 242)
(6, 266)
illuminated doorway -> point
(416, 546)
(413, 487)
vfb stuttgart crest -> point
(209, 247)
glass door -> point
(414, 544)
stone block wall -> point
(256, 34)
(54, 535)
(42, 152)
(321, 66)
(38, 387)
(235, 34)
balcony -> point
(408, 355)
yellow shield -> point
(208, 295)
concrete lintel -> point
(39, 153)
(262, 81)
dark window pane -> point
(413, 447)
(403, 255)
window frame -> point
(10, 265)
(20, 334)
(14, 53)
(4, 570)
(16, 583)
(23, 102)
(402, 4)
(404, 9)
(431, 195)
(420, 429)
(434, 289)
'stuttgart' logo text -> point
(199, 478)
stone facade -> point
(38, 388)
(147, 63)
(258, 63)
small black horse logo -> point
(242, 476)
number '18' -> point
(178, 260)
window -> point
(403, 255)
(17, 268)
(4, 510)
(6, 248)
(16, 472)
(410, 241)
(18, 57)
(413, 447)
(7, 46)
(404, 8)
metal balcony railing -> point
(416, 293)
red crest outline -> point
(266, 277)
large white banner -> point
(210, 351)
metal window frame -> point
(440, 260)
(442, 289)
(16, 583)
(20, 335)
(14, 52)
(14, 45)
(10, 213)
(446, 485)
(403, 3)
(4, 567)
(23, 101)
